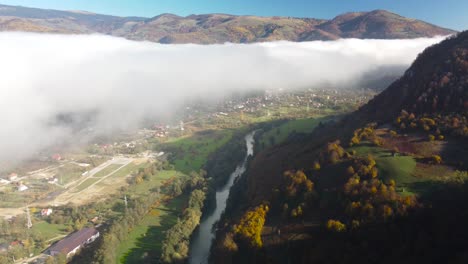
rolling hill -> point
(218, 28)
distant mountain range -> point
(218, 28)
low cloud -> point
(116, 82)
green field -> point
(398, 168)
(107, 170)
(128, 169)
(85, 184)
(411, 177)
(48, 231)
(69, 173)
(191, 153)
(148, 235)
(146, 238)
(13, 199)
(145, 188)
(280, 134)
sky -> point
(446, 13)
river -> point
(201, 243)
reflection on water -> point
(201, 243)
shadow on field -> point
(148, 247)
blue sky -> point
(447, 13)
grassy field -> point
(398, 168)
(411, 177)
(143, 189)
(48, 231)
(191, 153)
(281, 133)
(85, 184)
(146, 237)
(68, 173)
(130, 168)
(145, 240)
(107, 170)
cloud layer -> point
(118, 82)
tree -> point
(251, 225)
(436, 159)
(387, 211)
(79, 224)
(228, 243)
(336, 226)
(50, 260)
(350, 170)
(61, 259)
(395, 151)
(316, 166)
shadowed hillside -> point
(436, 82)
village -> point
(35, 198)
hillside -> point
(436, 82)
(396, 168)
(218, 28)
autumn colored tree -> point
(436, 159)
(336, 226)
(251, 225)
(316, 166)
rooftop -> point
(74, 240)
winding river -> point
(201, 243)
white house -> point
(22, 188)
(46, 212)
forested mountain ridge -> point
(386, 183)
(218, 28)
(436, 82)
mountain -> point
(384, 184)
(436, 82)
(379, 24)
(218, 28)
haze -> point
(120, 82)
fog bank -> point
(118, 82)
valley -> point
(91, 185)
(254, 132)
(377, 172)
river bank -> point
(202, 239)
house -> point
(14, 244)
(3, 181)
(94, 220)
(22, 188)
(46, 212)
(57, 157)
(74, 242)
(52, 181)
(12, 177)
